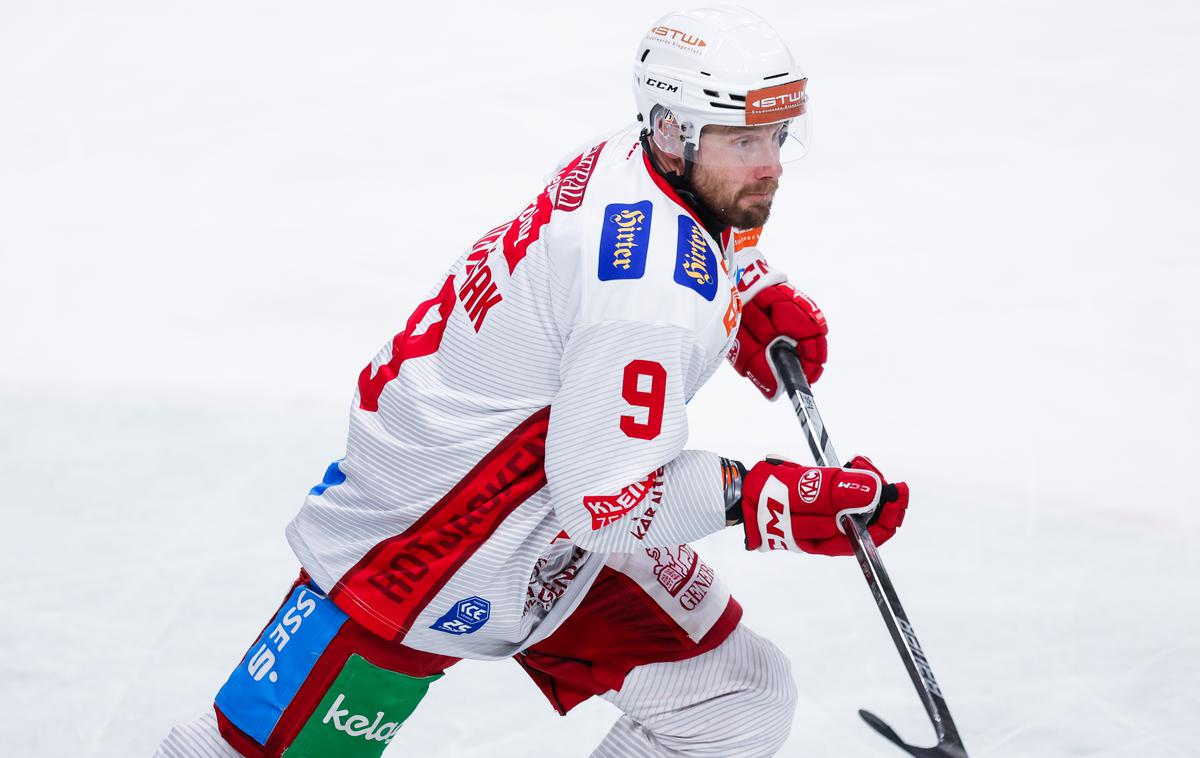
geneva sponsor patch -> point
(361, 712)
(607, 509)
(695, 262)
(624, 240)
(547, 585)
(464, 617)
(682, 574)
(258, 691)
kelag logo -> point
(623, 241)
(695, 264)
(361, 712)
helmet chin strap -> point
(682, 184)
(689, 162)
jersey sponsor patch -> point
(568, 187)
(810, 485)
(778, 103)
(607, 509)
(744, 238)
(695, 262)
(263, 685)
(624, 240)
(465, 617)
(361, 711)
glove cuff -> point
(733, 474)
(753, 274)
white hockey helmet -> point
(718, 66)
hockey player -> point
(516, 482)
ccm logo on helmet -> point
(659, 84)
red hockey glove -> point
(772, 310)
(787, 506)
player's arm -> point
(621, 479)
(616, 467)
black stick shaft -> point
(949, 743)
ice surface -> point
(212, 214)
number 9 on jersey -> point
(644, 386)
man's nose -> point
(770, 167)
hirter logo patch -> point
(695, 263)
(624, 241)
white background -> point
(213, 214)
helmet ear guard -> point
(666, 132)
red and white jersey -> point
(529, 422)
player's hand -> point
(772, 310)
(799, 508)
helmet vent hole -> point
(738, 98)
(772, 76)
(711, 93)
(727, 106)
(706, 73)
(647, 52)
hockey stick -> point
(950, 745)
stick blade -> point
(941, 750)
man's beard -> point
(728, 208)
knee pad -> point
(771, 693)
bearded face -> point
(737, 172)
(742, 203)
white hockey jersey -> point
(529, 421)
